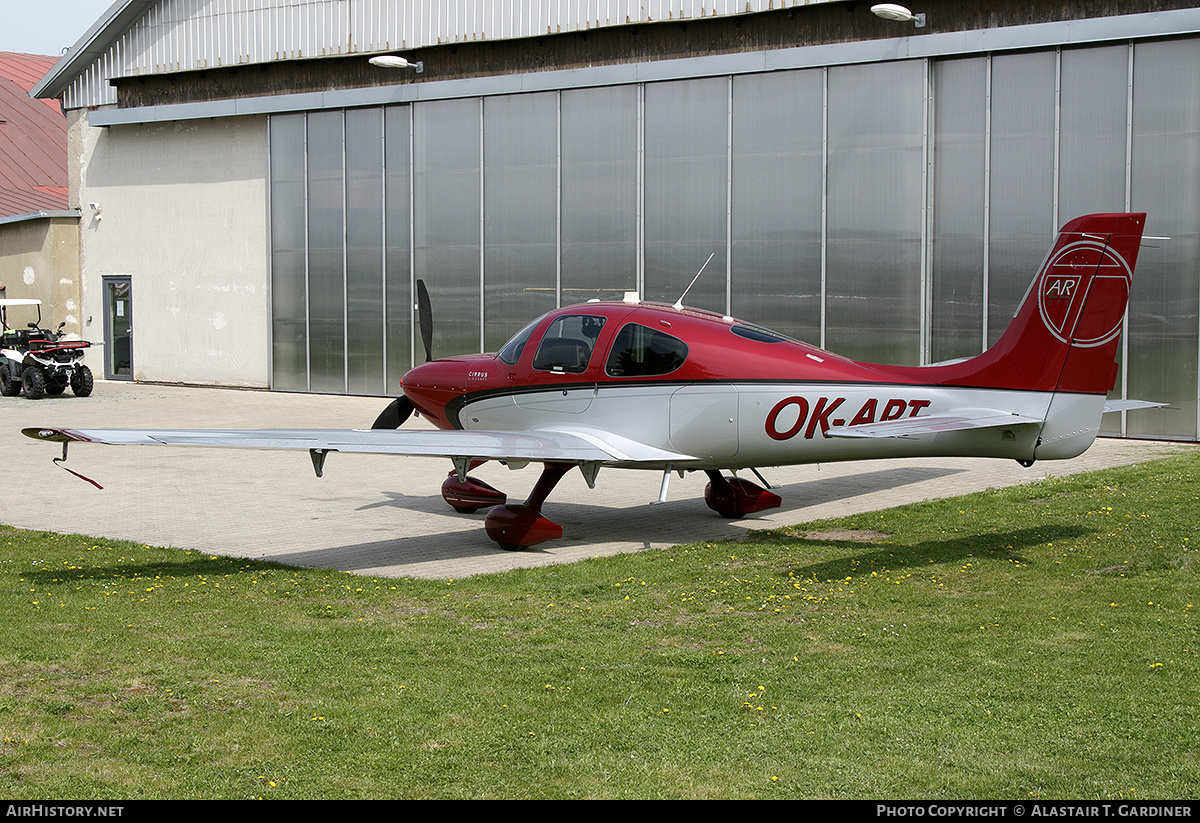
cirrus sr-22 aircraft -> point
(638, 385)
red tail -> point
(1064, 336)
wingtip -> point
(49, 435)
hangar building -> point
(39, 235)
(258, 199)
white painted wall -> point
(182, 210)
(39, 258)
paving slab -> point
(383, 515)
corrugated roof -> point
(33, 140)
(26, 69)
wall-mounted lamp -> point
(891, 11)
(391, 61)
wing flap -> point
(955, 420)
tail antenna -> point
(679, 302)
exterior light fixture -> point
(391, 61)
(891, 11)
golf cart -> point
(37, 360)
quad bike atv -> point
(38, 360)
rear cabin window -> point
(760, 334)
(568, 343)
(640, 351)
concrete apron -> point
(382, 515)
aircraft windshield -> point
(511, 352)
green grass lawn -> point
(1033, 642)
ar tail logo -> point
(1084, 274)
(1060, 287)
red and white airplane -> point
(638, 385)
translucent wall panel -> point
(1163, 308)
(1021, 216)
(959, 196)
(364, 251)
(326, 263)
(599, 193)
(1093, 118)
(398, 314)
(507, 205)
(447, 183)
(687, 180)
(1093, 129)
(289, 304)
(875, 200)
(520, 195)
(777, 196)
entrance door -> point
(118, 328)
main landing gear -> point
(521, 525)
(514, 527)
(735, 497)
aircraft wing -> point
(962, 420)
(535, 446)
(956, 420)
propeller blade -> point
(394, 415)
(425, 317)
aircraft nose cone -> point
(432, 386)
(433, 376)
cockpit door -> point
(561, 376)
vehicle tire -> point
(34, 383)
(9, 387)
(82, 382)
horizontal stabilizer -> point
(954, 420)
(1127, 405)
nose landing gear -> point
(520, 526)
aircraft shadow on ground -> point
(1014, 544)
(688, 520)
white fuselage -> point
(732, 425)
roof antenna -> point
(679, 302)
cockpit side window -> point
(640, 351)
(568, 343)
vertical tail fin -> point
(1065, 334)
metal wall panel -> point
(191, 35)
